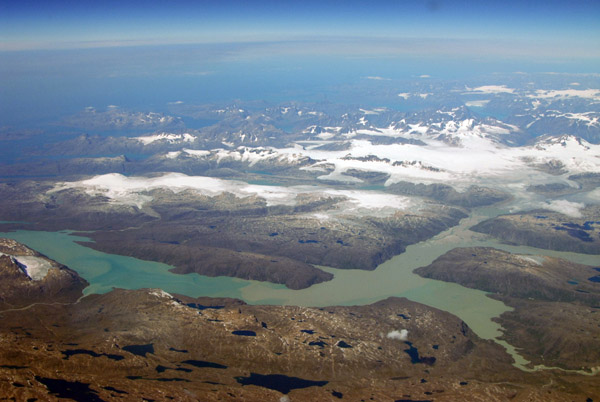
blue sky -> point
(57, 57)
(550, 26)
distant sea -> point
(37, 87)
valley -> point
(293, 230)
(148, 343)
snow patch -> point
(35, 267)
(172, 155)
(160, 294)
(583, 117)
(196, 152)
(325, 136)
(477, 103)
(373, 111)
(537, 260)
(491, 89)
(371, 200)
(165, 137)
(567, 93)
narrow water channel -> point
(395, 277)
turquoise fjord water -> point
(349, 287)
(107, 271)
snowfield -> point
(241, 154)
(135, 191)
(490, 89)
(166, 137)
(567, 93)
(479, 160)
(448, 148)
(35, 268)
(478, 157)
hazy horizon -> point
(57, 57)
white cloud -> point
(565, 207)
(378, 78)
(424, 76)
(401, 335)
(593, 197)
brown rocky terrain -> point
(197, 241)
(547, 229)
(55, 283)
(474, 196)
(555, 334)
(149, 345)
(228, 235)
(525, 277)
(556, 316)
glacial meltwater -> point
(394, 277)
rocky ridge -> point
(27, 277)
(556, 303)
(548, 229)
(149, 344)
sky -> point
(552, 26)
(59, 56)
